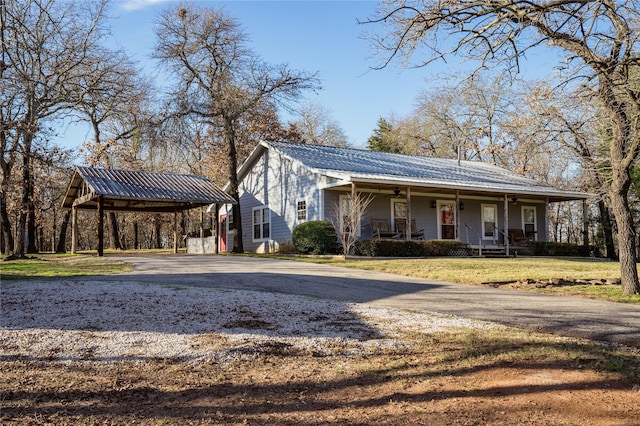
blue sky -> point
(321, 36)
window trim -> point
(262, 223)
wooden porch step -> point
(489, 250)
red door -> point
(222, 226)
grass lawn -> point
(60, 265)
(486, 270)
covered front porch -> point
(487, 221)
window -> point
(489, 221)
(261, 223)
(399, 211)
(529, 222)
(302, 210)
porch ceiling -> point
(422, 189)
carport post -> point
(216, 229)
(175, 232)
(100, 225)
(74, 229)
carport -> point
(99, 189)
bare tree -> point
(219, 79)
(318, 127)
(347, 219)
(45, 46)
(601, 42)
(112, 90)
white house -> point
(283, 184)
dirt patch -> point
(278, 384)
(529, 283)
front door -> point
(222, 227)
(447, 220)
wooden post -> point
(175, 232)
(457, 210)
(74, 229)
(506, 223)
(216, 230)
(585, 224)
(201, 222)
(546, 219)
(408, 225)
(100, 226)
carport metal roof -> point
(129, 190)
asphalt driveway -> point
(571, 316)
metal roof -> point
(132, 190)
(365, 166)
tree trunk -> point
(158, 228)
(626, 243)
(135, 236)
(7, 232)
(114, 241)
(32, 233)
(238, 246)
(19, 246)
(62, 241)
(607, 230)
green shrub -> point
(544, 248)
(315, 237)
(403, 248)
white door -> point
(489, 221)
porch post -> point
(100, 225)
(74, 229)
(505, 235)
(408, 225)
(546, 219)
(457, 215)
(175, 232)
(585, 224)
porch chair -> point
(517, 237)
(401, 227)
(380, 229)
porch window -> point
(489, 221)
(447, 220)
(399, 211)
(302, 210)
(529, 222)
(261, 223)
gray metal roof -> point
(140, 190)
(360, 165)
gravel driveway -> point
(571, 316)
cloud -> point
(131, 5)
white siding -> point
(278, 183)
